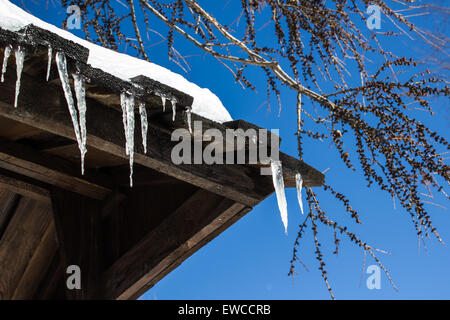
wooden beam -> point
(111, 202)
(49, 169)
(213, 230)
(52, 285)
(41, 105)
(24, 186)
(160, 249)
(78, 226)
(21, 238)
(8, 204)
(291, 166)
(37, 266)
(142, 176)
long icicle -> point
(49, 62)
(174, 108)
(20, 58)
(278, 184)
(144, 124)
(130, 126)
(163, 101)
(80, 92)
(127, 104)
(189, 118)
(299, 185)
(61, 63)
(123, 104)
(6, 55)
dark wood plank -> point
(38, 265)
(21, 238)
(43, 106)
(94, 157)
(53, 284)
(8, 204)
(178, 233)
(52, 170)
(142, 211)
(13, 130)
(24, 186)
(78, 226)
(214, 229)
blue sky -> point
(250, 260)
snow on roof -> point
(123, 66)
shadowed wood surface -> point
(124, 239)
(178, 233)
(20, 240)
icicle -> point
(174, 108)
(189, 118)
(5, 61)
(49, 62)
(299, 184)
(144, 125)
(130, 125)
(278, 184)
(20, 58)
(123, 104)
(61, 63)
(127, 104)
(78, 114)
(80, 92)
(163, 100)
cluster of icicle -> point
(20, 58)
(78, 117)
(78, 111)
(127, 102)
(173, 101)
(278, 184)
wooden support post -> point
(37, 266)
(20, 240)
(78, 226)
(162, 249)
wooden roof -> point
(124, 239)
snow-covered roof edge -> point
(123, 66)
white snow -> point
(278, 184)
(299, 185)
(205, 103)
(20, 58)
(6, 55)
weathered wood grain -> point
(43, 106)
(55, 171)
(38, 265)
(78, 226)
(20, 240)
(8, 203)
(177, 234)
(24, 186)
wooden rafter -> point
(178, 236)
